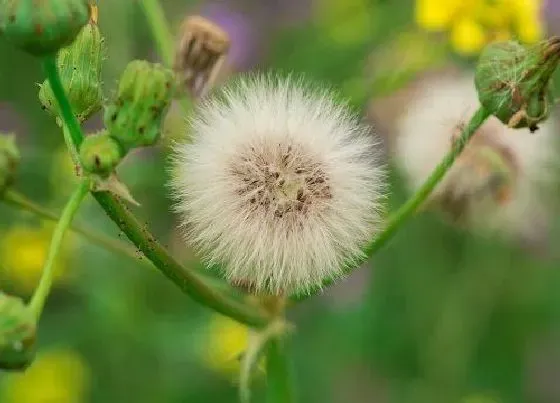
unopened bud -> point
(100, 154)
(80, 73)
(17, 333)
(9, 160)
(513, 81)
(201, 51)
(42, 27)
(135, 116)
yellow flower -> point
(467, 36)
(23, 251)
(227, 342)
(56, 376)
(473, 23)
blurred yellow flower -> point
(227, 342)
(473, 23)
(23, 251)
(56, 376)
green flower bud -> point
(17, 333)
(42, 27)
(135, 116)
(9, 160)
(100, 154)
(513, 81)
(80, 73)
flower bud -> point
(17, 333)
(135, 116)
(200, 52)
(513, 81)
(41, 27)
(100, 154)
(80, 73)
(9, 160)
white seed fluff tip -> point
(281, 186)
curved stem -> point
(21, 202)
(191, 282)
(409, 208)
(399, 217)
(74, 131)
(279, 387)
(42, 291)
(160, 29)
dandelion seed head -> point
(281, 186)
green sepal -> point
(514, 81)
(100, 154)
(134, 118)
(42, 27)
(80, 67)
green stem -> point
(21, 202)
(279, 387)
(160, 29)
(42, 291)
(191, 282)
(398, 218)
(51, 70)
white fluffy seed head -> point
(439, 108)
(281, 186)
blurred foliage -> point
(443, 308)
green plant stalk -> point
(192, 283)
(399, 217)
(407, 210)
(279, 386)
(41, 293)
(160, 29)
(21, 202)
(68, 117)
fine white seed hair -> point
(424, 136)
(281, 186)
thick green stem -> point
(42, 291)
(279, 387)
(69, 119)
(191, 282)
(399, 217)
(160, 29)
(21, 202)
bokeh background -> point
(440, 308)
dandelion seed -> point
(281, 186)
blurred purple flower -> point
(551, 15)
(243, 34)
